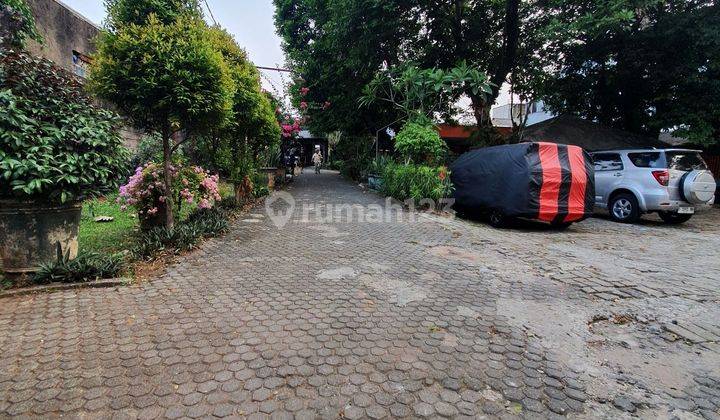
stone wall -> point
(68, 40)
(64, 31)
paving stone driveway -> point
(433, 318)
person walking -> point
(317, 160)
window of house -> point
(81, 64)
(607, 162)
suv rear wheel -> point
(673, 218)
(624, 208)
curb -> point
(55, 287)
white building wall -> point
(501, 115)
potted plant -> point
(374, 177)
(57, 149)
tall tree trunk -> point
(504, 63)
(167, 161)
(481, 110)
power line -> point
(274, 68)
(207, 6)
(211, 13)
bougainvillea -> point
(145, 190)
(290, 128)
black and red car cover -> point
(550, 182)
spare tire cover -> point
(699, 187)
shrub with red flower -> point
(145, 190)
(290, 129)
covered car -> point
(549, 182)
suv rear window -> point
(607, 162)
(685, 161)
(647, 159)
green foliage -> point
(641, 65)
(56, 145)
(88, 266)
(377, 165)
(259, 183)
(235, 148)
(164, 71)
(419, 93)
(416, 182)
(137, 12)
(164, 76)
(21, 21)
(355, 153)
(108, 237)
(149, 149)
(337, 47)
(185, 235)
(420, 143)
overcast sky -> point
(250, 21)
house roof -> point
(448, 131)
(590, 136)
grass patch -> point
(110, 237)
(226, 189)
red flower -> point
(442, 175)
(304, 91)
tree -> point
(419, 94)
(166, 76)
(335, 48)
(642, 66)
(237, 146)
(125, 12)
(339, 46)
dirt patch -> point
(455, 253)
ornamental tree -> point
(166, 76)
(236, 146)
(420, 93)
(125, 12)
(419, 143)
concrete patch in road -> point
(339, 273)
(399, 292)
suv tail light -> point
(662, 177)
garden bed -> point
(106, 237)
(120, 252)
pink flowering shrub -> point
(290, 129)
(145, 190)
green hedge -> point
(416, 182)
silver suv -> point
(675, 183)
